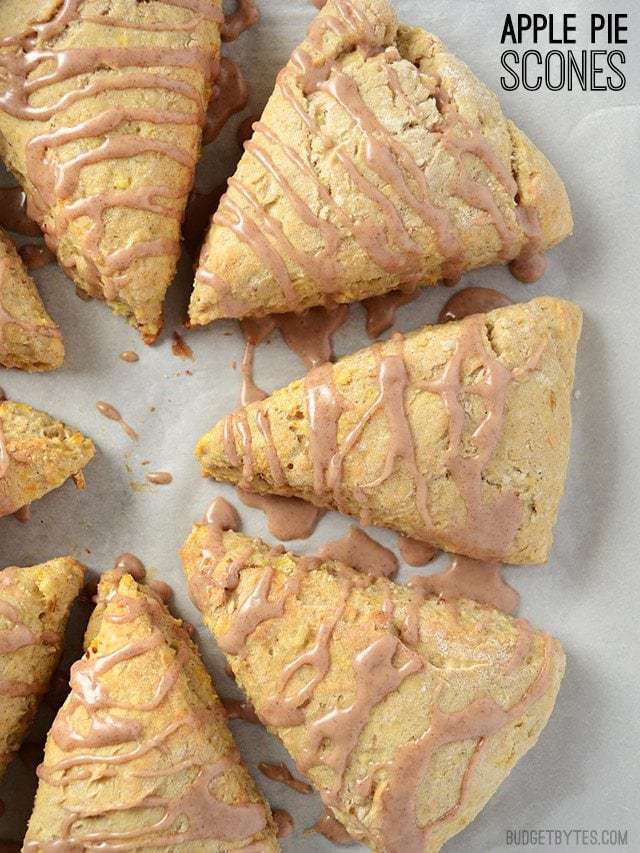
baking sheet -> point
(583, 774)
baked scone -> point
(34, 606)
(380, 162)
(457, 434)
(405, 711)
(102, 106)
(140, 754)
(29, 339)
(37, 454)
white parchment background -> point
(584, 771)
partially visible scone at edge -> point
(380, 162)
(34, 605)
(405, 711)
(102, 107)
(457, 434)
(140, 754)
(29, 339)
(37, 454)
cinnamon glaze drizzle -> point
(472, 300)
(381, 310)
(480, 720)
(283, 822)
(414, 552)
(245, 15)
(230, 96)
(287, 518)
(488, 527)
(379, 668)
(327, 825)
(467, 578)
(193, 813)
(281, 773)
(111, 413)
(389, 163)
(58, 198)
(220, 516)
(308, 334)
(358, 550)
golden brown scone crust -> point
(29, 339)
(324, 204)
(464, 653)
(42, 453)
(132, 198)
(41, 598)
(179, 737)
(529, 459)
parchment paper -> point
(584, 771)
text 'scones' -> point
(37, 454)
(457, 434)
(101, 120)
(34, 606)
(29, 339)
(405, 711)
(380, 162)
(140, 755)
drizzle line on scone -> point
(488, 528)
(391, 247)
(204, 812)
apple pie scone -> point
(457, 434)
(34, 606)
(102, 106)
(380, 162)
(37, 454)
(405, 711)
(29, 339)
(140, 755)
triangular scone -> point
(456, 434)
(34, 606)
(140, 755)
(101, 115)
(405, 711)
(37, 454)
(380, 162)
(29, 339)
